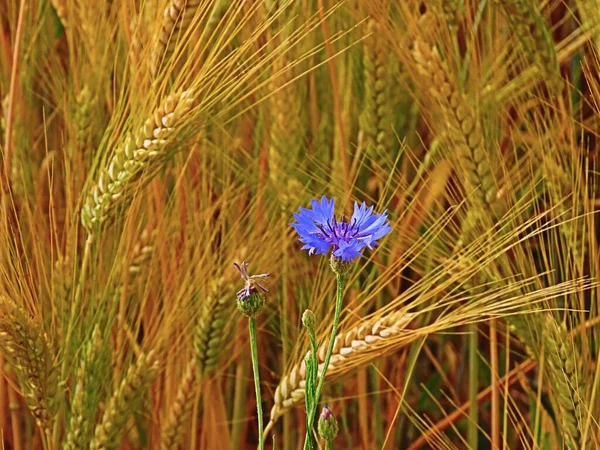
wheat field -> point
(147, 146)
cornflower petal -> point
(320, 231)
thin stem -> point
(329, 445)
(473, 387)
(495, 387)
(315, 363)
(336, 319)
(254, 353)
(14, 75)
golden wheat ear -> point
(179, 411)
(140, 152)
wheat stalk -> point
(26, 347)
(177, 17)
(354, 343)
(136, 381)
(173, 428)
(80, 425)
(463, 125)
(140, 151)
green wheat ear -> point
(26, 348)
(107, 434)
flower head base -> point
(328, 427)
(309, 320)
(250, 299)
(320, 231)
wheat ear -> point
(532, 29)
(375, 117)
(463, 125)
(60, 6)
(141, 151)
(572, 211)
(136, 381)
(177, 17)
(180, 410)
(26, 347)
(537, 331)
(210, 333)
(357, 342)
(80, 425)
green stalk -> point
(328, 445)
(336, 319)
(473, 387)
(254, 352)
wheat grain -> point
(173, 428)
(26, 347)
(141, 151)
(354, 343)
(463, 125)
(136, 381)
(177, 17)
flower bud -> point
(339, 266)
(251, 305)
(309, 319)
(328, 427)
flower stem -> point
(329, 445)
(254, 352)
(336, 319)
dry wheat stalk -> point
(173, 428)
(358, 341)
(26, 347)
(375, 117)
(463, 125)
(140, 152)
(80, 425)
(177, 17)
(210, 333)
(139, 376)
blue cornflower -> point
(320, 231)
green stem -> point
(254, 352)
(336, 319)
(329, 445)
(315, 364)
(473, 387)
